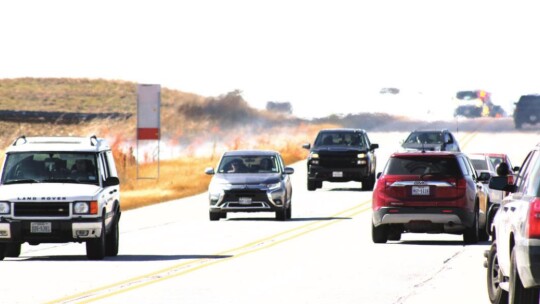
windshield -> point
(249, 164)
(425, 138)
(352, 139)
(38, 167)
(479, 164)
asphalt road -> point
(172, 253)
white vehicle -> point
(58, 190)
(513, 261)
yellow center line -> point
(187, 267)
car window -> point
(422, 165)
(471, 168)
(464, 167)
(338, 138)
(479, 164)
(522, 182)
(424, 138)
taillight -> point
(533, 225)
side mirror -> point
(306, 146)
(209, 171)
(379, 175)
(516, 169)
(374, 146)
(484, 177)
(288, 170)
(501, 183)
(111, 181)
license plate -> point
(40, 227)
(337, 174)
(244, 201)
(420, 190)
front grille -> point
(254, 194)
(41, 209)
(338, 159)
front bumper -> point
(319, 173)
(249, 200)
(76, 230)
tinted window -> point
(422, 165)
(479, 164)
(466, 95)
(250, 164)
(425, 138)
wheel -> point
(95, 249)
(518, 124)
(379, 234)
(517, 293)
(3, 247)
(470, 235)
(281, 215)
(394, 235)
(215, 216)
(112, 239)
(13, 250)
(223, 215)
(496, 294)
(369, 183)
(289, 212)
(311, 185)
(482, 231)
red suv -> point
(429, 192)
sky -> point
(324, 57)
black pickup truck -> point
(341, 155)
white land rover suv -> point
(57, 190)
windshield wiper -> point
(21, 181)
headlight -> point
(85, 207)
(273, 186)
(362, 162)
(81, 208)
(314, 155)
(4, 208)
(361, 155)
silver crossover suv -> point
(250, 181)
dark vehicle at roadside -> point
(527, 111)
(250, 181)
(341, 155)
(431, 140)
(429, 192)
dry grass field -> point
(195, 131)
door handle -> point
(113, 191)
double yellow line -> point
(228, 255)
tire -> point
(95, 249)
(311, 185)
(517, 293)
(112, 239)
(470, 235)
(13, 250)
(215, 216)
(394, 236)
(3, 247)
(289, 212)
(482, 231)
(518, 124)
(496, 294)
(281, 215)
(379, 234)
(369, 183)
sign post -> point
(148, 128)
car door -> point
(110, 193)
(285, 178)
(510, 213)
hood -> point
(246, 179)
(338, 149)
(48, 191)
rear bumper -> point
(528, 263)
(61, 231)
(451, 218)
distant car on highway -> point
(513, 261)
(429, 192)
(341, 155)
(250, 181)
(431, 140)
(527, 111)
